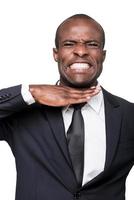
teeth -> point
(79, 66)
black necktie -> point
(75, 138)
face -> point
(80, 53)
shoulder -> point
(118, 101)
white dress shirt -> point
(95, 133)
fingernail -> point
(93, 87)
(98, 87)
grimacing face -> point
(80, 53)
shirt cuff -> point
(27, 96)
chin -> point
(80, 85)
(83, 83)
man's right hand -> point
(53, 95)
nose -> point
(80, 50)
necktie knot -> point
(78, 106)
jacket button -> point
(77, 195)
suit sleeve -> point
(11, 101)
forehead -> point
(80, 29)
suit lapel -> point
(113, 125)
(55, 119)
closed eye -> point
(93, 44)
(68, 44)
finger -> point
(77, 101)
(73, 92)
(82, 95)
(78, 91)
(76, 96)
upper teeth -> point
(79, 66)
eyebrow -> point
(75, 41)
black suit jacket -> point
(37, 139)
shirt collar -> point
(95, 103)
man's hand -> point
(53, 95)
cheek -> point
(97, 55)
(65, 56)
(99, 62)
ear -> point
(55, 54)
(104, 55)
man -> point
(36, 124)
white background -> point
(27, 29)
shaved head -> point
(78, 17)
